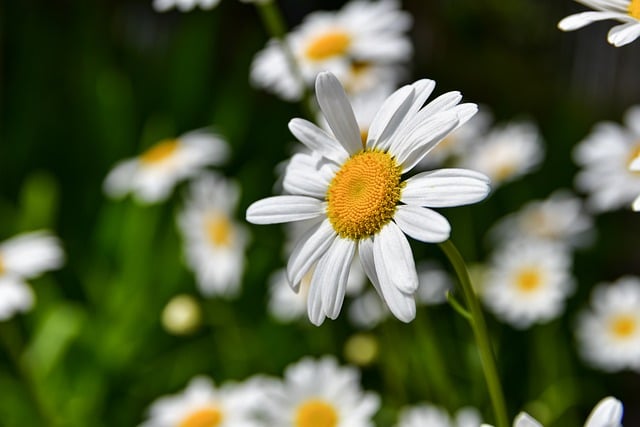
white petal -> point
(634, 166)
(525, 420)
(579, 20)
(365, 252)
(389, 117)
(446, 188)
(331, 274)
(309, 248)
(621, 35)
(337, 110)
(318, 140)
(118, 181)
(314, 304)
(636, 204)
(422, 224)
(423, 89)
(277, 209)
(607, 413)
(303, 178)
(392, 252)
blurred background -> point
(86, 84)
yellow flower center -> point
(316, 413)
(159, 152)
(624, 326)
(219, 229)
(364, 134)
(528, 280)
(2, 267)
(205, 417)
(363, 195)
(634, 9)
(332, 43)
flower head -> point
(359, 199)
(183, 5)
(426, 414)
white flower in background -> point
(215, 242)
(428, 415)
(363, 45)
(607, 413)
(506, 153)
(23, 257)
(183, 5)
(609, 333)
(605, 156)
(367, 310)
(204, 404)
(152, 175)
(561, 218)
(625, 11)
(528, 282)
(634, 167)
(319, 393)
(359, 200)
(434, 283)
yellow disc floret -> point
(316, 413)
(2, 267)
(205, 417)
(363, 195)
(634, 9)
(328, 45)
(159, 152)
(624, 326)
(528, 280)
(219, 229)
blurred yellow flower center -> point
(505, 171)
(330, 44)
(2, 267)
(624, 326)
(634, 9)
(363, 195)
(206, 417)
(159, 152)
(316, 413)
(528, 280)
(634, 154)
(219, 229)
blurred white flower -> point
(625, 11)
(358, 200)
(183, 5)
(215, 242)
(609, 332)
(204, 404)
(561, 218)
(367, 310)
(528, 282)
(23, 257)
(605, 156)
(507, 152)
(319, 393)
(152, 175)
(428, 415)
(433, 284)
(364, 45)
(634, 167)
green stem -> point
(480, 334)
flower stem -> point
(480, 334)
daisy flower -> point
(528, 282)
(426, 414)
(215, 242)
(609, 332)
(367, 311)
(183, 5)
(363, 45)
(625, 11)
(319, 393)
(204, 404)
(23, 257)
(506, 153)
(359, 199)
(152, 175)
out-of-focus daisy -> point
(152, 175)
(634, 167)
(506, 153)
(625, 11)
(609, 333)
(528, 282)
(203, 404)
(319, 393)
(434, 283)
(561, 218)
(183, 5)
(367, 310)
(363, 45)
(359, 200)
(606, 155)
(214, 241)
(23, 257)
(426, 414)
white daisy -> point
(434, 283)
(183, 5)
(426, 414)
(202, 404)
(561, 218)
(634, 167)
(363, 45)
(152, 175)
(625, 11)
(605, 156)
(359, 199)
(609, 333)
(214, 241)
(367, 311)
(506, 153)
(528, 282)
(23, 257)
(319, 393)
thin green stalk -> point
(480, 334)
